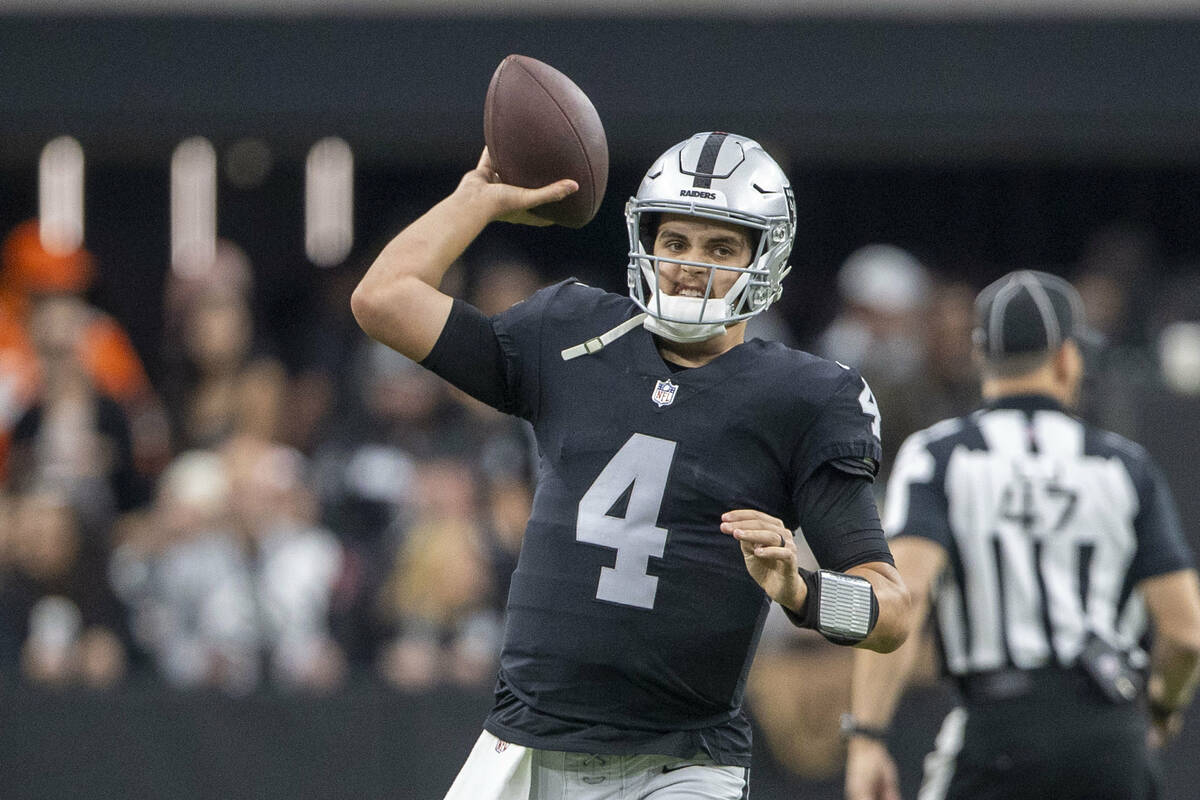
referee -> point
(1044, 547)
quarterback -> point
(675, 461)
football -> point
(539, 128)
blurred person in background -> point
(949, 384)
(60, 624)
(365, 474)
(294, 564)
(229, 374)
(884, 291)
(1118, 277)
(187, 581)
(29, 273)
(1174, 394)
(74, 436)
(220, 382)
(880, 330)
(506, 468)
(502, 283)
(320, 393)
(1175, 334)
(1043, 546)
(437, 596)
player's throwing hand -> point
(511, 203)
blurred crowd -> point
(238, 523)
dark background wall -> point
(411, 89)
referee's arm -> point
(879, 681)
(1173, 601)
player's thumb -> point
(551, 193)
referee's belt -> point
(1015, 684)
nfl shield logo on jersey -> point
(664, 393)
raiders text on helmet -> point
(719, 176)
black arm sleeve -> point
(468, 355)
(839, 519)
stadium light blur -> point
(60, 196)
(193, 206)
(329, 202)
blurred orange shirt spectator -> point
(28, 270)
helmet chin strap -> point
(675, 331)
(711, 315)
(598, 343)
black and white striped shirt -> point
(1049, 524)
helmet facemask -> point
(725, 178)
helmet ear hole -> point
(755, 237)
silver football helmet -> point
(720, 176)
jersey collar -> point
(650, 363)
(1026, 402)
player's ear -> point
(1068, 366)
(1063, 361)
(978, 363)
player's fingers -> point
(550, 193)
(741, 514)
(758, 531)
(757, 535)
(773, 553)
(519, 202)
(766, 545)
(485, 162)
(526, 218)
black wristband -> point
(842, 608)
(850, 727)
(809, 618)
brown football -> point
(539, 128)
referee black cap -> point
(1027, 312)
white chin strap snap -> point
(598, 343)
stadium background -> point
(1020, 136)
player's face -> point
(722, 244)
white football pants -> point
(497, 770)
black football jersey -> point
(632, 620)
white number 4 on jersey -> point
(867, 400)
(640, 468)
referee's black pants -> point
(1058, 739)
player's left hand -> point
(770, 553)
